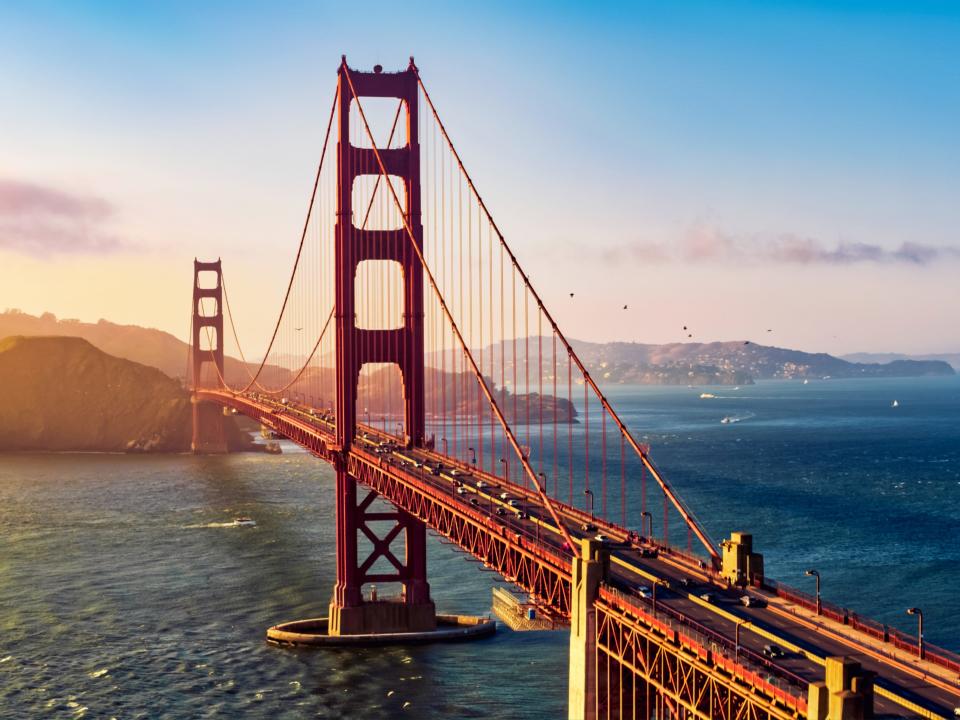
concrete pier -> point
(588, 571)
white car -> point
(481, 484)
(644, 591)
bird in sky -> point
(624, 307)
(746, 342)
(571, 294)
(684, 327)
(298, 329)
(689, 335)
(769, 329)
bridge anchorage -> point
(429, 373)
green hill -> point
(62, 393)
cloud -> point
(704, 243)
(41, 221)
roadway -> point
(674, 586)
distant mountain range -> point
(720, 363)
(952, 358)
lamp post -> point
(473, 456)
(589, 494)
(506, 469)
(919, 613)
(649, 517)
(816, 574)
(366, 411)
(444, 441)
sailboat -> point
(895, 404)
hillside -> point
(62, 393)
(760, 362)
(952, 358)
(146, 346)
(720, 363)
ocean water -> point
(123, 594)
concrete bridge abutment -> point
(589, 570)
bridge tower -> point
(349, 613)
(209, 431)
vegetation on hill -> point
(62, 393)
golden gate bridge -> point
(413, 353)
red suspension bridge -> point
(413, 353)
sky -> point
(728, 166)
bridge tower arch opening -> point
(206, 356)
(358, 345)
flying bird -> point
(298, 329)
(746, 342)
(684, 327)
(624, 307)
(571, 294)
(769, 329)
(689, 335)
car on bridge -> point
(751, 601)
(773, 651)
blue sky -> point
(732, 165)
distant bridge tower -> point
(209, 432)
(403, 346)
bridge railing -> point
(879, 631)
(787, 688)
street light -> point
(473, 456)
(366, 411)
(649, 516)
(506, 469)
(444, 441)
(919, 613)
(816, 574)
(589, 493)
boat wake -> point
(235, 523)
(730, 419)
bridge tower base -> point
(350, 612)
(209, 429)
(588, 571)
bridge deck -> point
(652, 580)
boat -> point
(806, 382)
(895, 404)
(244, 521)
(705, 396)
(727, 420)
